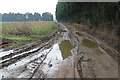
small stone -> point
(50, 65)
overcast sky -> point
(23, 6)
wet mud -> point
(64, 54)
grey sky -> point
(23, 6)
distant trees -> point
(47, 16)
(37, 17)
(8, 17)
(93, 13)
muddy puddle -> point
(5, 53)
(65, 47)
(61, 50)
(89, 43)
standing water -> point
(65, 47)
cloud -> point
(23, 6)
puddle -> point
(89, 43)
(54, 57)
(6, 53)
(52, 60)
(79, 34)
(1, 50)
(17, 68)
(65, 47)
(63, 31)
(54, 54)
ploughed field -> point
(15, 34)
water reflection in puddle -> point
(52, 60)
(56, 55)
(5, 53)
(60, 51)
(65, 47)
(89, 43)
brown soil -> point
(84, 62)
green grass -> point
(89, 44)
(26, 31)
(39, 36)
(5, 23)
(15, 44)
(16, 37)
(65, 47)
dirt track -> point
(43, 59)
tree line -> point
(11, 17)
(97, 16)
(94, 14)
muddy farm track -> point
(44, 58)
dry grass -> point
(27, 28)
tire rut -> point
(25, 51)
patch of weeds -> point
(14, 44)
